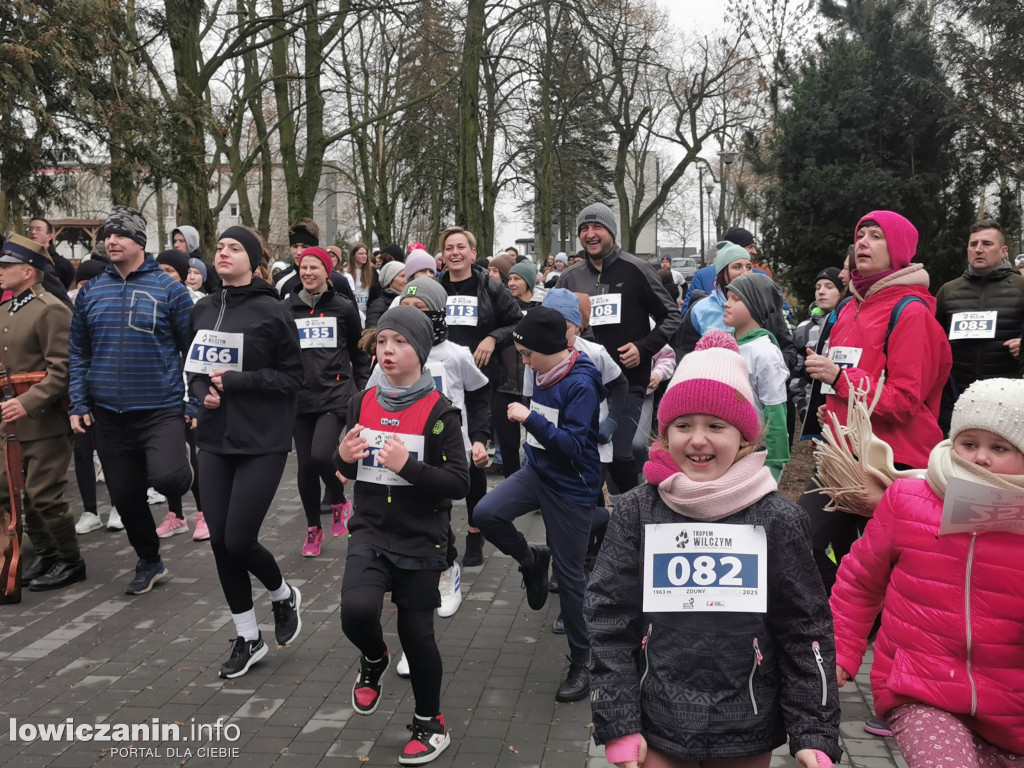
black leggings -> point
(238, 491)
(362, 601)
(316, 440)
(174, 502)
(506, 432)
(477, 489)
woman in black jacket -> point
(245, 369)
(334, 370)
(481, 314)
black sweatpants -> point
(140, 449)
(316, 441)
(363, 585)
(238, 491)
(85, 470)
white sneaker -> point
(451, 592)
(402, 670)
(114, 521)
(88, 522)
(155, 498)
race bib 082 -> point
(705, 567)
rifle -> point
(10, 572)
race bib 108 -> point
(215, 351)
(705, 567)
(606, 309)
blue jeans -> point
(568, 529)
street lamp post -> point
(709, 187)
(725, 159)
(700, 202)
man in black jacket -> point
(626, 295)
(40, 230)
(983, 313)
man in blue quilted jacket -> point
(129, 335)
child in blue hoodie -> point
(561, 474)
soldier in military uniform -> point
(34, 328)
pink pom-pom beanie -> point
(714, 380)
(900, 236)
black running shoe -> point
(244, 653)
(287, 622)
(535, 578)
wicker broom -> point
(853, 466)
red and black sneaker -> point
(366, 690)
(429, 739)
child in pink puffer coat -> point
(948, 671)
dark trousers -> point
(174, 502)
(316, 441)
(238, 491)
(139, 449)
(623, 469)
(85, 470)
(568, 529)
(415, 593)
(506, 433)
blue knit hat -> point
(565, 303)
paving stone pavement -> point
(97, 656)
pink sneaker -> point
(202, 530)
(170, 526)
(314, 541)
(340, 514)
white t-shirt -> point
(454, 372)
(768, 371)
(609, 371)
(361, 292)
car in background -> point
(686, 266)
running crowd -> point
(707, 617)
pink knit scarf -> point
(559, 372)
(745, 482)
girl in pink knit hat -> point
(711, 639)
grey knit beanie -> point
(429, 291)
(413, 324)
(599, 213)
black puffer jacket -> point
(379, 306)
(497, 314)
(696, 689)
(331, 374)
(1001, 290)
(257, 410)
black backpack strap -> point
(894, 317)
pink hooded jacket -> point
(952, 631)
(917, 367)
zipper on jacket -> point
(223, 306)
(758, 658)
(967, 611)
(816, 649)
(647, 662)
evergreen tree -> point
(868, 127)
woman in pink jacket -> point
(948, 668)
(889, 326)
